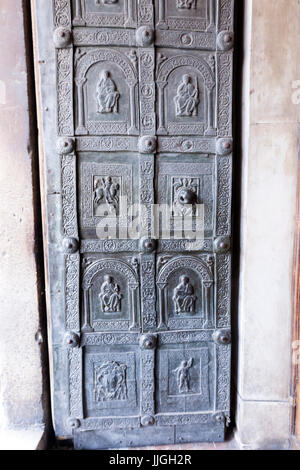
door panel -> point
(136, 100)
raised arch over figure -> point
(106, 57)
(201, 67)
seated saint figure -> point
(110, 297)
(187, 98)
(107, 94)
(184, 298)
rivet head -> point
(144, 36)
(70, 245)
(148, 341)
(147, 420)
(65, 145)
(222, 244)
(62, 37)
(73, 423)
(147, 144)
(147, 245)
(224, 146)
(222, 337)
(225, 40)
(219, 417)
(72, 339)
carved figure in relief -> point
(186, 4)
(107, 94)
(187, 98)
(111, 382)
(106, 2)
(184, 298)
(110, 297)
(183, 375)
(106, 190)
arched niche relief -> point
(176, 115)
(110, 296)
(100, 111)
(185, 292)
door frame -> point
(296, 318)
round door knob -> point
(186, 196)
(145, 36)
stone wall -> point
(21, 374)
(269, 179)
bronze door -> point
(136, 103)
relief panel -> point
(185, 379)
(186, 93)
(110, 294)
(106, 91)
(110, 378)
(104, 13)
(185, 182)
(186, 292)
(104, 180)
(191, 15)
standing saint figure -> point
(107, 94)
(187, 98)
(183, 376)
(110, 297)
(184, 298)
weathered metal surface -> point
(141, 327)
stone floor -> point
(229, 444)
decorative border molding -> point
(64, 68)
(62, 13)
(75, 382)
(109, 246)
(224, 94)
(223, 376)
(106, 144)
(186, 145)
(225, 15)
(186, 39)
(103, 37)
(223, 195)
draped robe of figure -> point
(184, 298)
(107, 94)
(110, 296)
(186, 100)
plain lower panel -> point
(152, 436)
